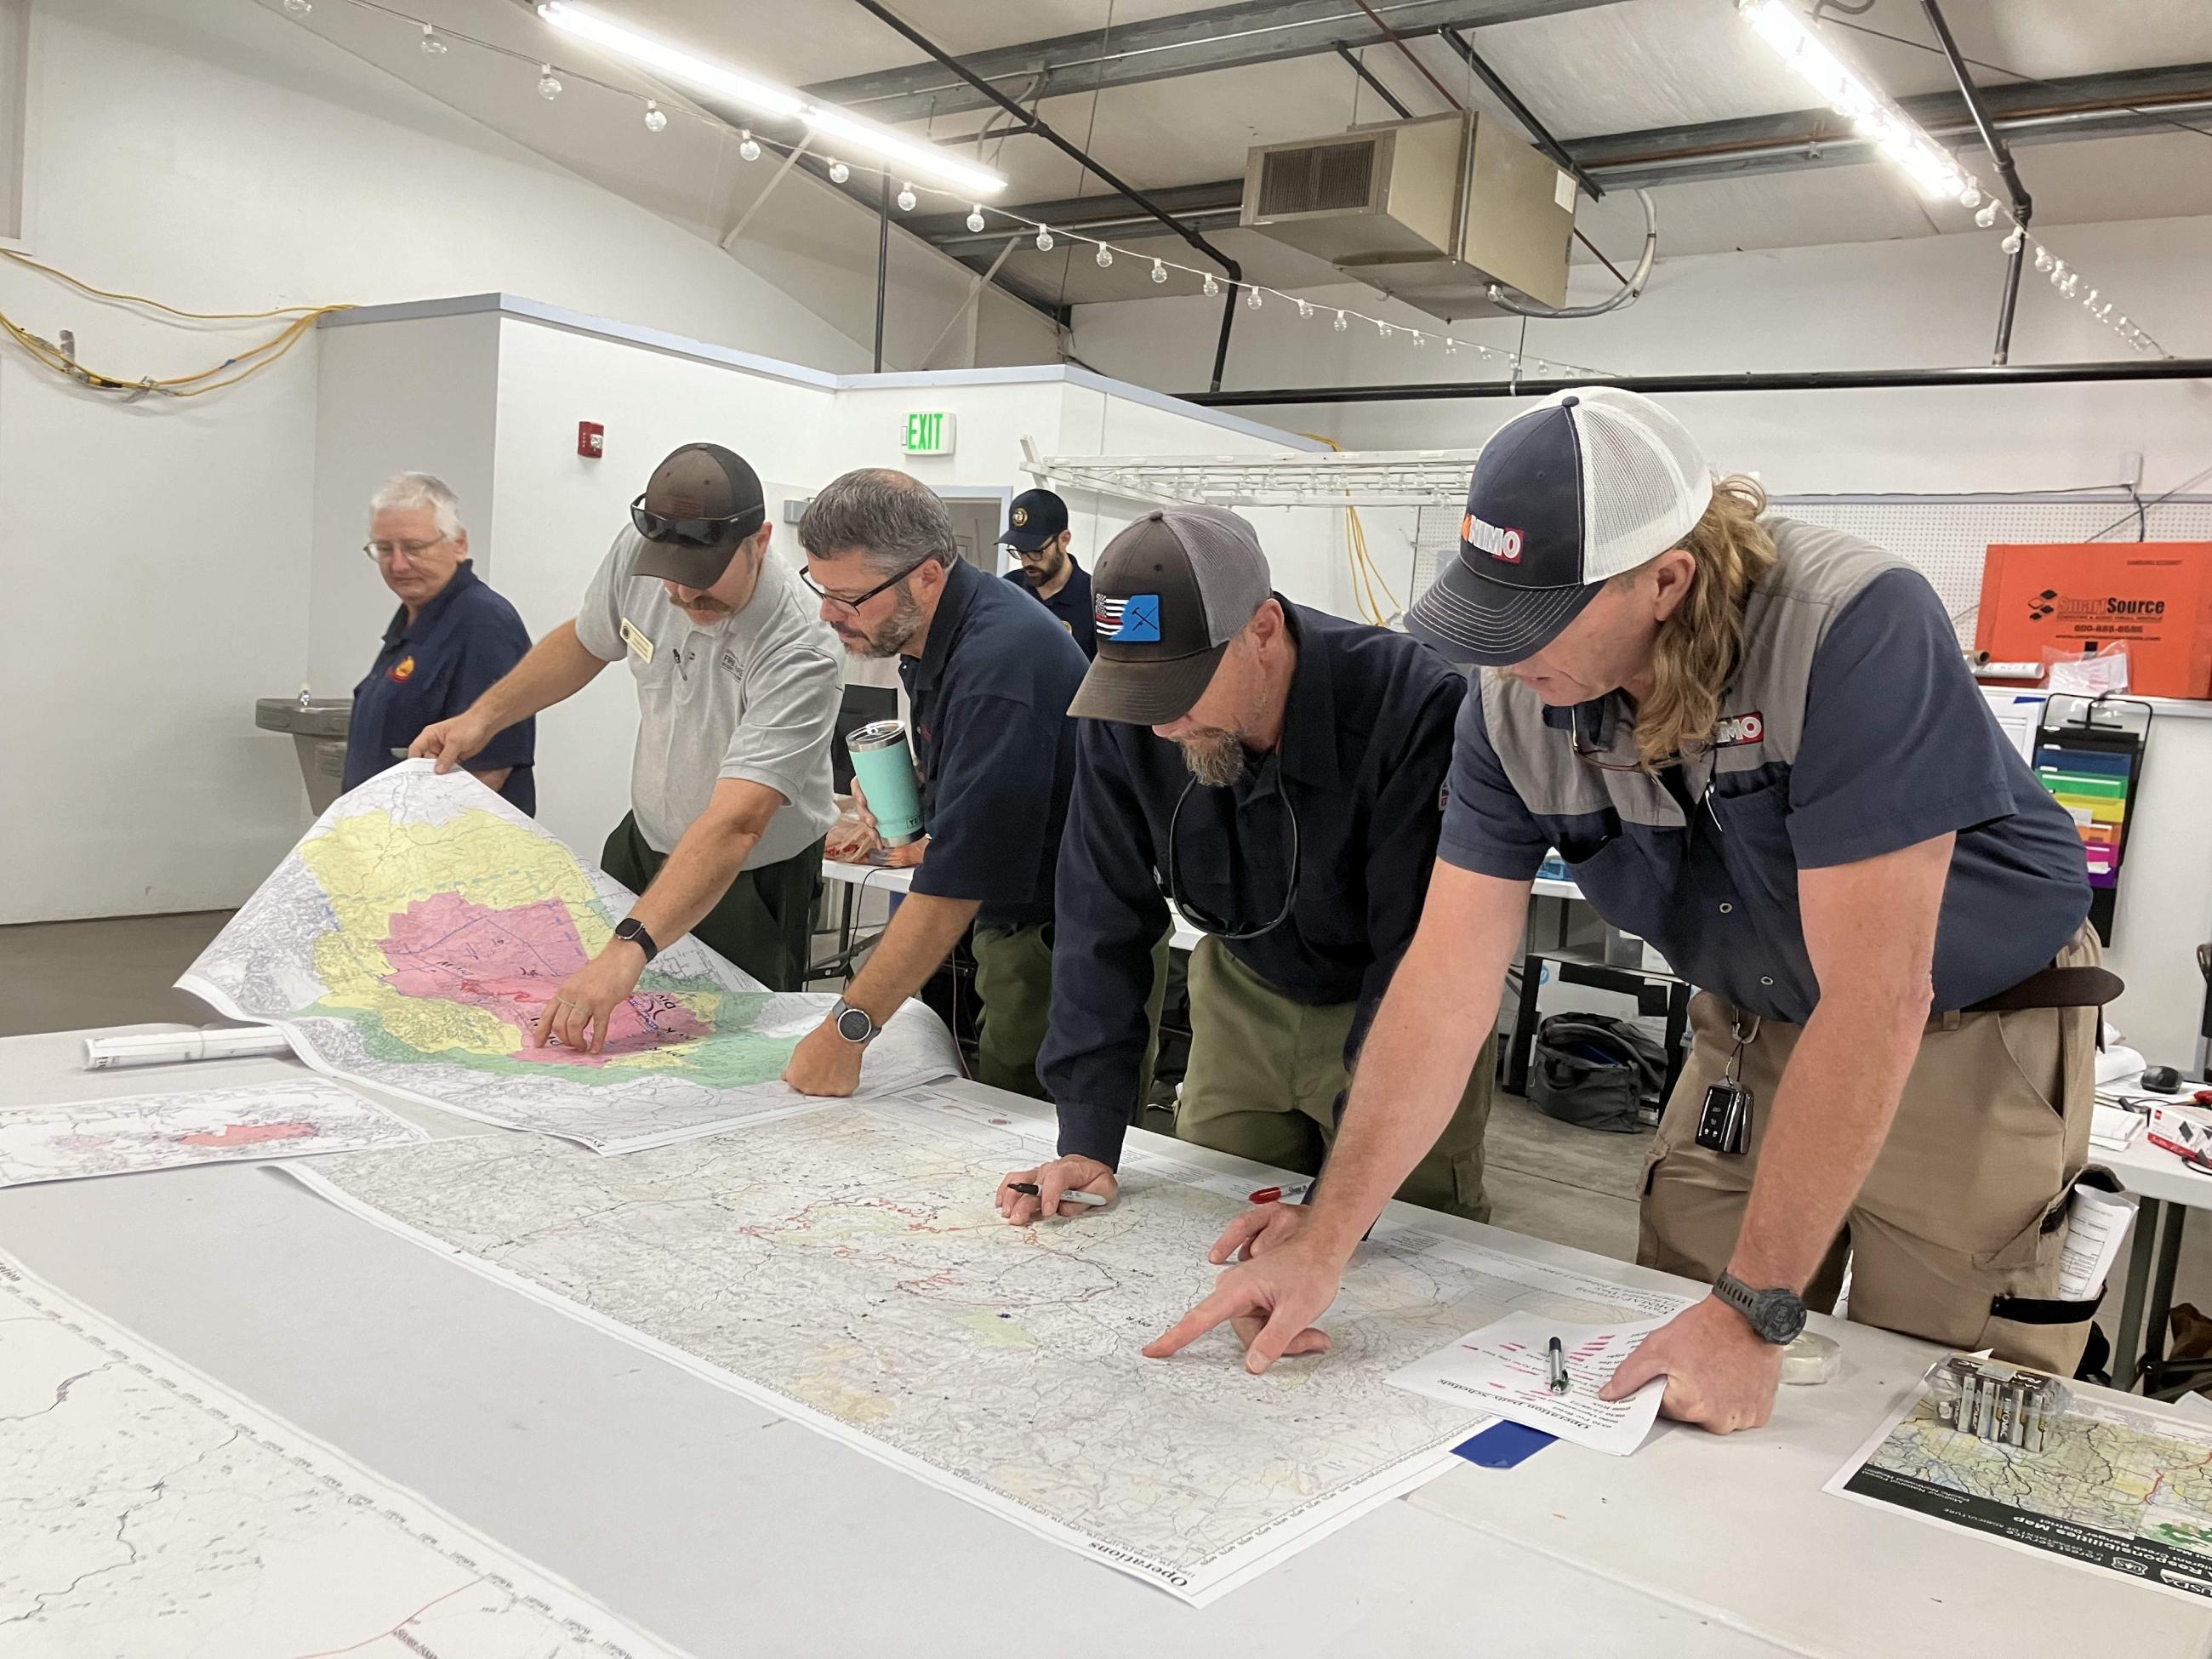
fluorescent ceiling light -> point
(1926, 163)
(922, 160)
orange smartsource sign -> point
(2154, 598)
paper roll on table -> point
(167, 1048)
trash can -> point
(318, 737)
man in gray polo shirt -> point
(1756, 744)
(737, 691)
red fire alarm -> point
(591, 439)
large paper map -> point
(2118, 1486)
(849, 1269)
(410, 939)
(146, 1510)
(123, 1136)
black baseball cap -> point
(1169, 594)
(1035, 517)
(699, 504)
(1586, 485)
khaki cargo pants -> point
(1014, 994)
(1266, 1074)
(1966, 1201)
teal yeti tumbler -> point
(885, 768)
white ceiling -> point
(1617, 68)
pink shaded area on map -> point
(245, 1134)
(511, 962)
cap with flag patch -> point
(1169, 593)
(1587, 484)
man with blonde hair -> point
(1757, 744)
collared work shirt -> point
(1850, 728)
(754, 697)
(1071, 604)
(1365, 748)
(996, 751)
(433, 668)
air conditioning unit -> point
(1431, 212)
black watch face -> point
(855, 1026)
(1787, 1323)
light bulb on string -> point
(298, 8)
(1252, 299)
(1341, 325)
(2042, 256)
(976, 220)
(2012, 243)
(1305, 310)
(1971, 194)
(1451, 347)
(839, 173)
(1159, 272)
(2059, 273)
(2071, 285)
(1210, 288)
(1382, 331)
(748, 146)
(1418, 336)
(905, 198)
(432, 45)
(656, 119)
(549, 84)
(1104, 256)
(1986, 215)
(1043, 240)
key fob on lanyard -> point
(1724, 1121)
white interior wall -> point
(219, 157)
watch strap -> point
(634, 930)
(843, 1013)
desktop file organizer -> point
(2089, 754)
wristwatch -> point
(1775, 1316)
(853, 1024)
(631, 928)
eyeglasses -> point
(382, 551)
(1575, 742)
(694, 532)
(1203, 920)
(852, 606)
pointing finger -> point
(1221, 1305)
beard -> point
(1215, 758)
(887, 637)
(1045, 570)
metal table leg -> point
(1525, 1027)
(2127, 1340)
(1678, 1023)
(2161, 1292)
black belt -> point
(2054, 988)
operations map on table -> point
(2118, 1486)
(409, 940)
(146, 1511)
(849, 1269)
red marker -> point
(1281, 1195)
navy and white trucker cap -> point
(1587, 484)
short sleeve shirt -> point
(433, 668)
(1850, 728)
(755, 697)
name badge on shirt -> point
(634, 637)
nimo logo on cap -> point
(1498, 543)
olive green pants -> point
(1013, 986)
(1266, 1072)
(762, 923)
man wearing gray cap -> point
(1757, 745)
(737, 691)
(1278, 773)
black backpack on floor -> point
(1594, 1071)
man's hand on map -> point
(1051, 1179)
(450, 741)
(1260, 1229)
(1272, 1303)
(581, 1009)
(1719, 1374)
(823, 1063)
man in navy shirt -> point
(1037, 532)
(450, 639)
(989, 676)
(1278, 772)
(1757, 745)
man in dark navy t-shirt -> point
(1038, 536)
(450, 639)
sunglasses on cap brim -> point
(695, 533)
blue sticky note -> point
(1502, 1445)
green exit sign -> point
(929, 432)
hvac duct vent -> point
(1319, 178)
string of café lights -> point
(436, 40)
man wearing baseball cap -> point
(737, 691)
(1757, 744)
(1037, 533)
(1278, 773)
